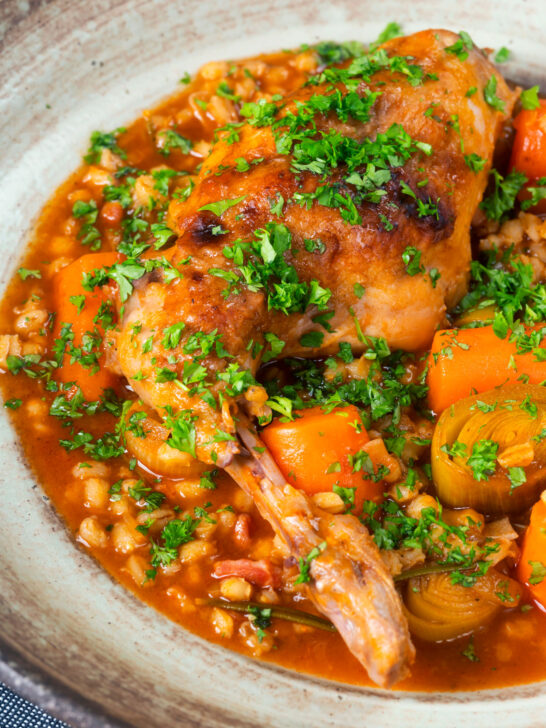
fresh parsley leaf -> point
(78, 301)
(390, 31)
(207, 480)
(182, 428)
(469, 651)
(411, 258)
(104, 140)
(276, 204)
(503, 197)
(261, 619)
(475, 162)
(359, 290)
(529, 98)
(170, 139)
(537, 193)
(456, 450)
(311, 339)
(538, 572)
(490, 95)
(172, 335)
(517, 477)
(225, 92)
(483, 459)
(276, 346)
(502, 55)
(305, 563)
(25, 273)
(161, 233)
(218, 208)
(13, 403)
(461, 46)
(330, 52)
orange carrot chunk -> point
(529, 149)
(532, 564)
(78, 308)
(465, 361)
(315, 452)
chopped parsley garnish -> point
(490, 94)
(312, 339)
(13, 403)
(503, 197)
(411, 258)
(261, 619)
(474, 162)
(305, 563)
(456, 450)
(390, 31)
(483, 459)
(104, 140)
(461, 46)
(502, 55)
(347, 495)
(176, 533)
(529, 98)
(25, 273)
(87, 212)
(172, 335)
(261, 264)
(276, 346)
(182, 431)
(469, 651)
(517, 477)
(218, 208)
(538, 572)
(171, 139)
(537, 193)
(207, 480)
(330, 52)
(359, 290)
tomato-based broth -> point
(87, 434)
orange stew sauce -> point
(509, 651)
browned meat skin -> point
(349, 583)
(404, 309)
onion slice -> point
(513, 417)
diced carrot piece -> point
(465, 361)
(532, 564)
(529, 148)
(313, 452)
(67, 283)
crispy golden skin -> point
(405, 309)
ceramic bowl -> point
(70, 638)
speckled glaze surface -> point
(70, 638)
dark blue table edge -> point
(50, 694)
